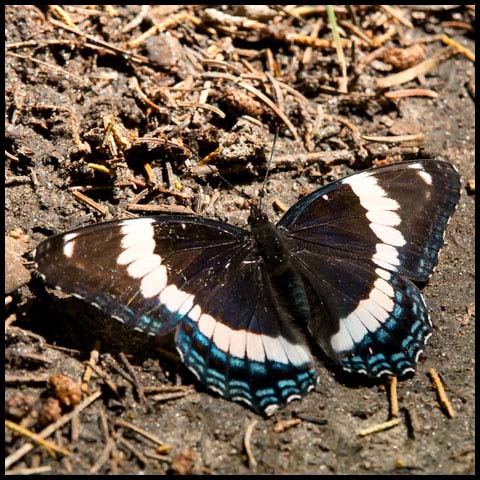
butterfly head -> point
(257, 216)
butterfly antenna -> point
(205, 160)
(269, 164)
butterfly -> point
(340, 269)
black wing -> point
(360, 243)
(201, 278)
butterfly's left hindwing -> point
(202, 278)
(261, 361)
(359, 243)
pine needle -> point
(332, 20)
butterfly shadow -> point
(69, 322)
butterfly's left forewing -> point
(360, 243)
(130, 268)
(196, 276)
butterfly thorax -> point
(284, 279)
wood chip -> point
(283, 425)
(470, 186)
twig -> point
(393, 397)
(160, 27)
(150, 173)
(252, 463)
(47, 444)
(63, 15)
(397, 15)
(272, 64)
(202, 99)
(99, 168)
(48, 65)
(380, 427)
(170, 177)
(137, 20)
(109, 382)
(17, 179)
(278, 95)
(92, 203)
(301, 99)
(133, 374)
(279, 206)
(218, 63)
(457, 24)
(22, 451)
(317, 9)
(384, 38)
(315, 42)
(25, 379)
(314, 420)
(93, 360)
(460, 48)
(290, 13)
(411, 92)
(108, 46)
(32, 357)
(103, 420)
(123, 423)
(122, 441)
(185, 150)
(307, 54)
(103, 457)
(164, 397)
(442, 396)
(269, 103)
(413, 72)
(417, 137)
(210, 156)
(75, 429)
(167, 388)
(161, 209)
(136, 86)
(313, 157)
(363, 37)
(29, 471)
(205, 106)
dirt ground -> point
(94, 107)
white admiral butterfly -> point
(339, 268)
